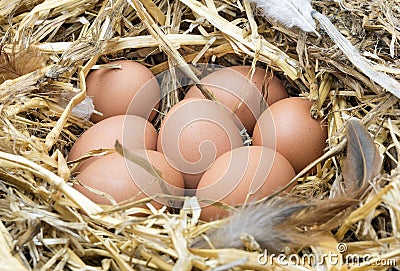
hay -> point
(47, 49)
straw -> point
(48, 48)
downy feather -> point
(289, 12)
(284, 224)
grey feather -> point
(280, 225)
(363, 161)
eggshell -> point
(194, 133)
(299, 137)
(131, 131)
(123, 179)
(233, 88)
(242, 175)
(132, 90)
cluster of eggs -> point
(199, 148)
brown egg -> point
(299, 137)
(123, 179)
(233, 88)
(242, 175)
(194, 133)
(132, 90)
(131, 131)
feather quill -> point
(289, 12)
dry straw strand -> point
(48, 225)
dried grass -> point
(47, 49)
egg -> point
(194, 133)
(233, 88)
(131, 131)
(242, 175)
(131, 89)
(123, 179)
(288, 124)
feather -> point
(363, 161)
(279, 225)
(289, 12)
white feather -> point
(289, 12)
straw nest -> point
(47, 49)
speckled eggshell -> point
(233, 88)
(131, 131)
(253, 170)
(194, 133)
(299, 137)
(132, 90)
(124, 180)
